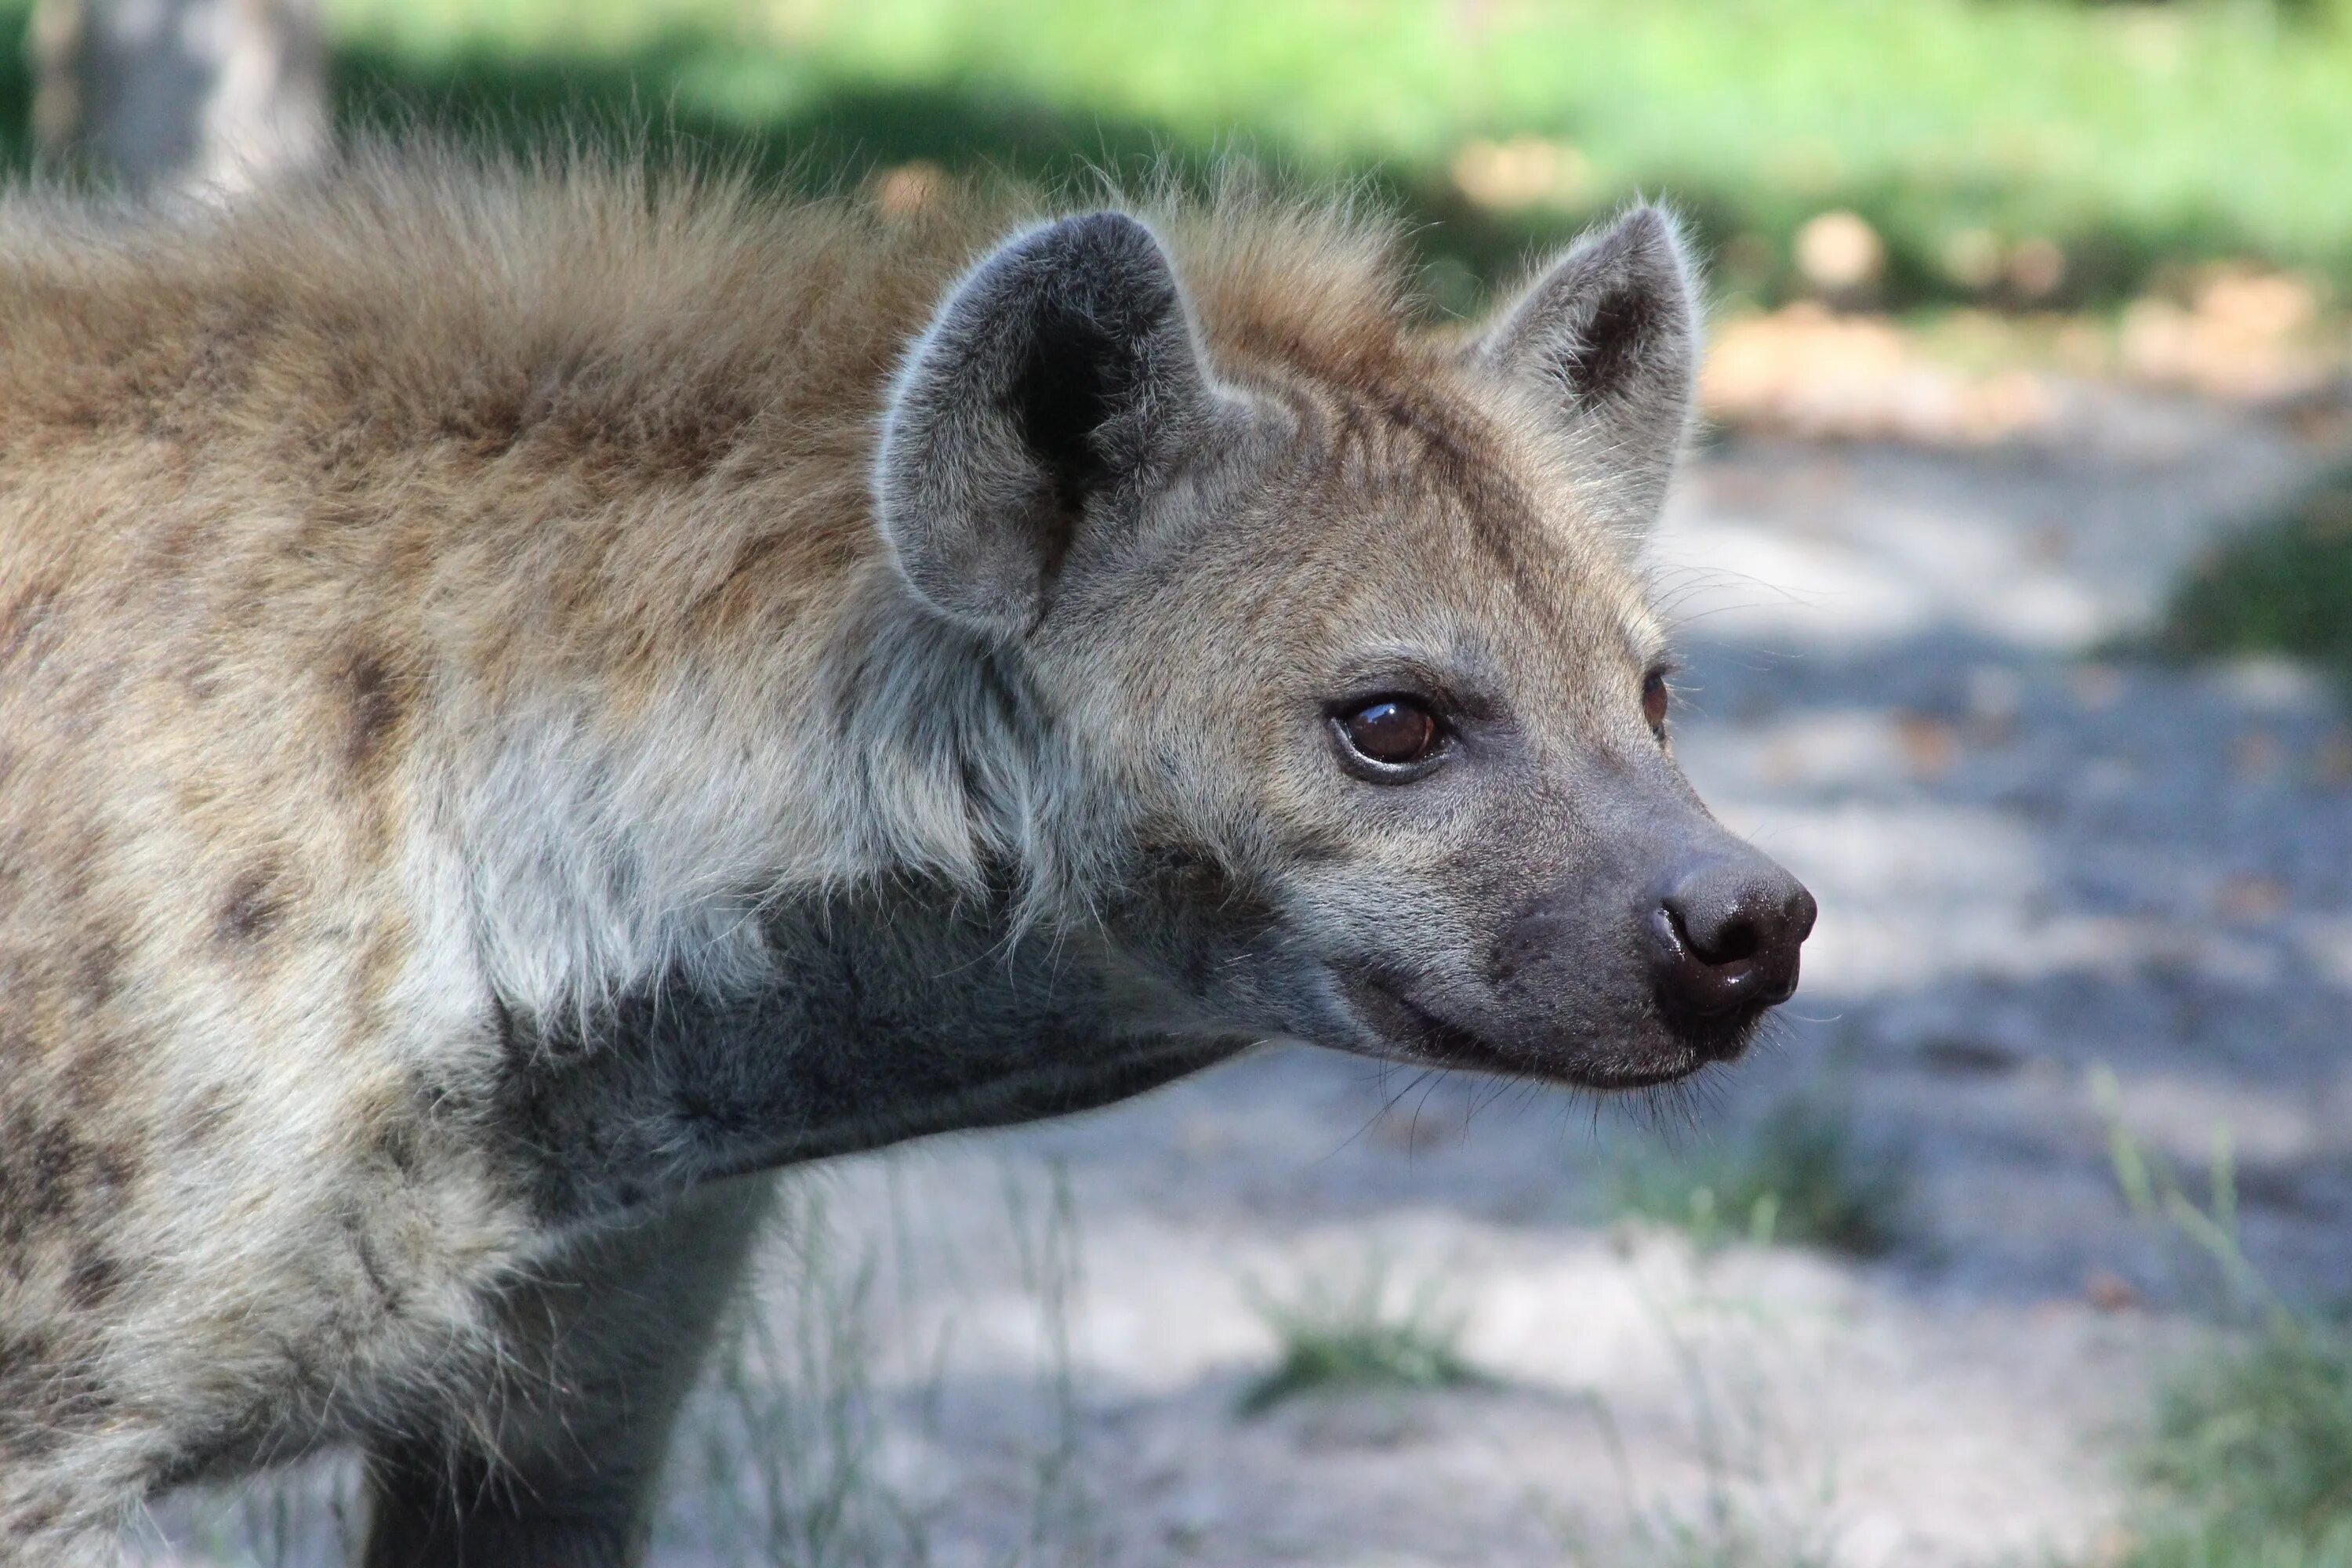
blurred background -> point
(2014, 569)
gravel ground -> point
(2032, 859)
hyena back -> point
(531, 697)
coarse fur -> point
(531, 694)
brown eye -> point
(1391, 731)
(1654, 701)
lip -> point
(1381, 1003)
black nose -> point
(1725, 934)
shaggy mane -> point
(652, 277)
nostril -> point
(1739, 940)
(1735, 941)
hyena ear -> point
(1058, 383)
(1610, 333)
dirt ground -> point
(2033, 857)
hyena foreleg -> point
(562, 1475)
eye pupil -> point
(1391, 731)
(1655, 700)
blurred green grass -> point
(2282, 586)
(2253, 1450)
(1368, 1336)
(1802, 1175)
(2136, 137)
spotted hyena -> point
(529, 698)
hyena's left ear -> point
(1610, 335)
(1056, 384)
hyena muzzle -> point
(531, 697)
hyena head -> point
(1350, 709)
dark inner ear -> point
(1612, 344)
(1055, 387)
(1062, 397)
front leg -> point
(559, 1472)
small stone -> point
(1929, 746)
(2331, 760)
(2096, 686)
(2250, 898)
(2257, 755)
(2109, 1292)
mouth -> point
(1380, 1004)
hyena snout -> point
(1723, 936)
(1643, 973)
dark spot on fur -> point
(57, 1157)
(202, 679)
(61, 1168)
(202, 1123)
(113, 1168)
(94, 1073)
(251, 908)
(96, 968)
(21, 1351)
(15, 1183)
(38, 1518)
(84, 843)
(94, 1280)
(50, 1389)
(22, 622)
(71, 1398)
(376, 708)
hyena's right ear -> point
(1057, 383)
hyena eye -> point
(1389, 733)
(1655, 700)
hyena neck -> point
(624, 840)
(856, 950)
(884, 1013)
